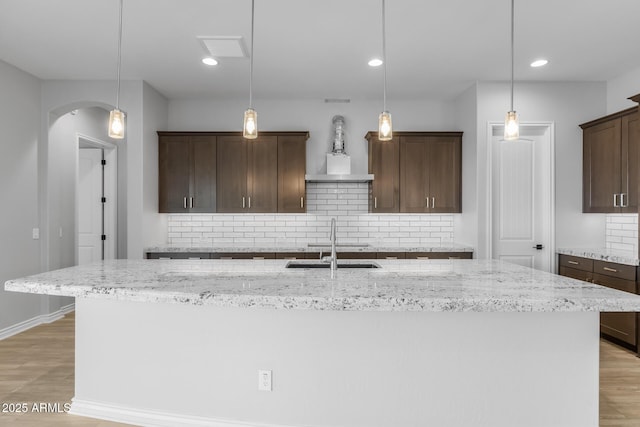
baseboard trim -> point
(35, 321)
(149, 418)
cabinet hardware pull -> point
(375, 203)
(301, 202)
(622, 205)
(243, 205)
(613, 270)
(615, 201)
(573, 262)
(249, 202)
(426, 199)
(191, 202)
(422, 257)
(184, 202)
(433, 203)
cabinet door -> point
(630, 132)
(262, 174)
(444, 161)
(231, 174)
(618, 325)
(292, 166)
(601, 167)
(384, 164)
(174, 163)
(203, 179)
(414, 175)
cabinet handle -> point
(249, 202)
(615, 201)
(426, 199)
(622, 205)
(191, 202)
(422, 257)
(184, 202)
(433, 202)
(375, 203)
(243, 205)
(613, 270)
(573, 262)
(301, 202)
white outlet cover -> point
(264, 380)
(35, 233)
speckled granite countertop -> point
(620, 257)
(400, 285)
(345, 247)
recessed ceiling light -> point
(375, 62)
(209, 61)
(539, 63)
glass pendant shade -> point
(250, 128)
(511, 126)
(116, 124)
(385, 129)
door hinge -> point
(104, 162)
(103, 200)
(104, 237)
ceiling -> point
(320, 49)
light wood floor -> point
(37, 366)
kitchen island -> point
(413, 343)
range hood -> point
(339, 178)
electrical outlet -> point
(35, 233)
(264, 380)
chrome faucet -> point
(333, 259)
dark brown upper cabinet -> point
(292, 161)
(610, 163)
(384, 164)
(417, 172)
(187, 173)
(247, 174)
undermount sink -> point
(320, 264)
(338, 245)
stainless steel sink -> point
(341, 264)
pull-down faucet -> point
(333, 259)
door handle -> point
(622, 205)
(249, 202)
(301, 202)
(243, 205)
(538, 247)
(184, 202)
(191, 202)
(615, 201)
(433, 203)
(375, 203)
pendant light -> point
(511, 122)
(250, 127)
(116, 117)
(385, 130)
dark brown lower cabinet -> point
(310, 255)
(621, 328)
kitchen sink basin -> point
(320, 264)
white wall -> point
(567, 105)
(620, 88)
(155, 115)
(19, 253)
(314, 116)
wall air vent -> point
(224, 46)
(337, 100)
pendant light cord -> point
(251, 59)
(119, 58)
(512, 2)
(384, 59)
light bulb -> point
(116, 124)
(511, 126)
(250, 128)
(385, 130)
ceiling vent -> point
(337, 100)
(224, 46)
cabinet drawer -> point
(619, 325)
(615, 283)
(578, 263)
(576, 274)
(177, 255)
(390, 255)
(622, 271)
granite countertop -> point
(602, 254)
(400, 285)
(312, 247)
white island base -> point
(172, 364)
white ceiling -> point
(320, 49)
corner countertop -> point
(399, 285)
(602, 254)
(312, 247)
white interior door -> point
(522, 198)
(90, 214)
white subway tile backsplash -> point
(347, 202)
(621, 232)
